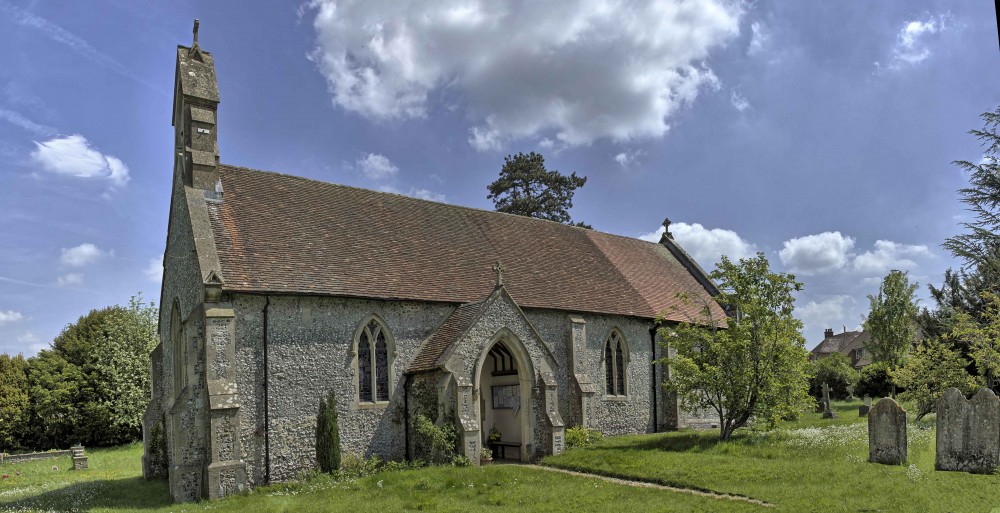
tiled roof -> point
(457, 323)
(284, 234)
(835, 343)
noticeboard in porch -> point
(506, 396)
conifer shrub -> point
(328, 435)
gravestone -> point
(887, 433)
(968, 432)
(850, 392)
(79, 459)
(829, 413)
(865, 408)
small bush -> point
(461, 460)
(328, 435)
(356, 466)
(875, 382)
(579, 436)
(834, 370)
(439, 441)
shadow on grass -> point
(128, 493)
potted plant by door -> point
(485, 456)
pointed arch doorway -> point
(504, 382)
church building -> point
(278, 290)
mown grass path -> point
(809, 465)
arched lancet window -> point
(375, 352)
(177, 346)
(615, 361)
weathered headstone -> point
(829, 413)
(79, 459)
(968, 432)
(850, 392)
(887, 433)
(865, 408)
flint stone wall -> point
(887, 433)
(968, 432)
(311, 342)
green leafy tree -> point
(891, 320)
(929, 371)
(13, 401)
(328, 435)
(753, 364)
(836, 371)
(979, 244)
(875, 381)
(526, 188)
(120, 371)
(982, 337)
(92, 385)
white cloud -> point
(817, 253)
(10, 316)
(629, 159)
(81, 255)
(70, 279)
(154, 271)
(17, 119)
(837, 312)
(33, 341)
(739, 101)
(570, 71)
(705, 245)
(415, 192)
(911, 40)
(487, 139)
(758, 39)
(889, 255)
(73, 156)
(377, 167)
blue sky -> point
(821, 133)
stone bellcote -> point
(196, 102)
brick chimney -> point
(828, 333)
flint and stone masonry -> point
(256, 326)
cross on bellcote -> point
(499, 269)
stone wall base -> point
(226, 478)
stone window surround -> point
(624, 365)
(390, 343)
(178, 348)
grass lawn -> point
(803, 466)
(114, 483)
(809, 465)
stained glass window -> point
(381, 369)
(609, 369)
(374, 361)
(364, 369)
(619, 368)
(614, 364)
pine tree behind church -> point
(526, 188)
(328, 435)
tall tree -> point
(93, 384)
(891, 320)
(982, 239)
(982, 337)
(13, 401)
(757, 366)
(526, 188)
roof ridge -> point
(452, 205)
